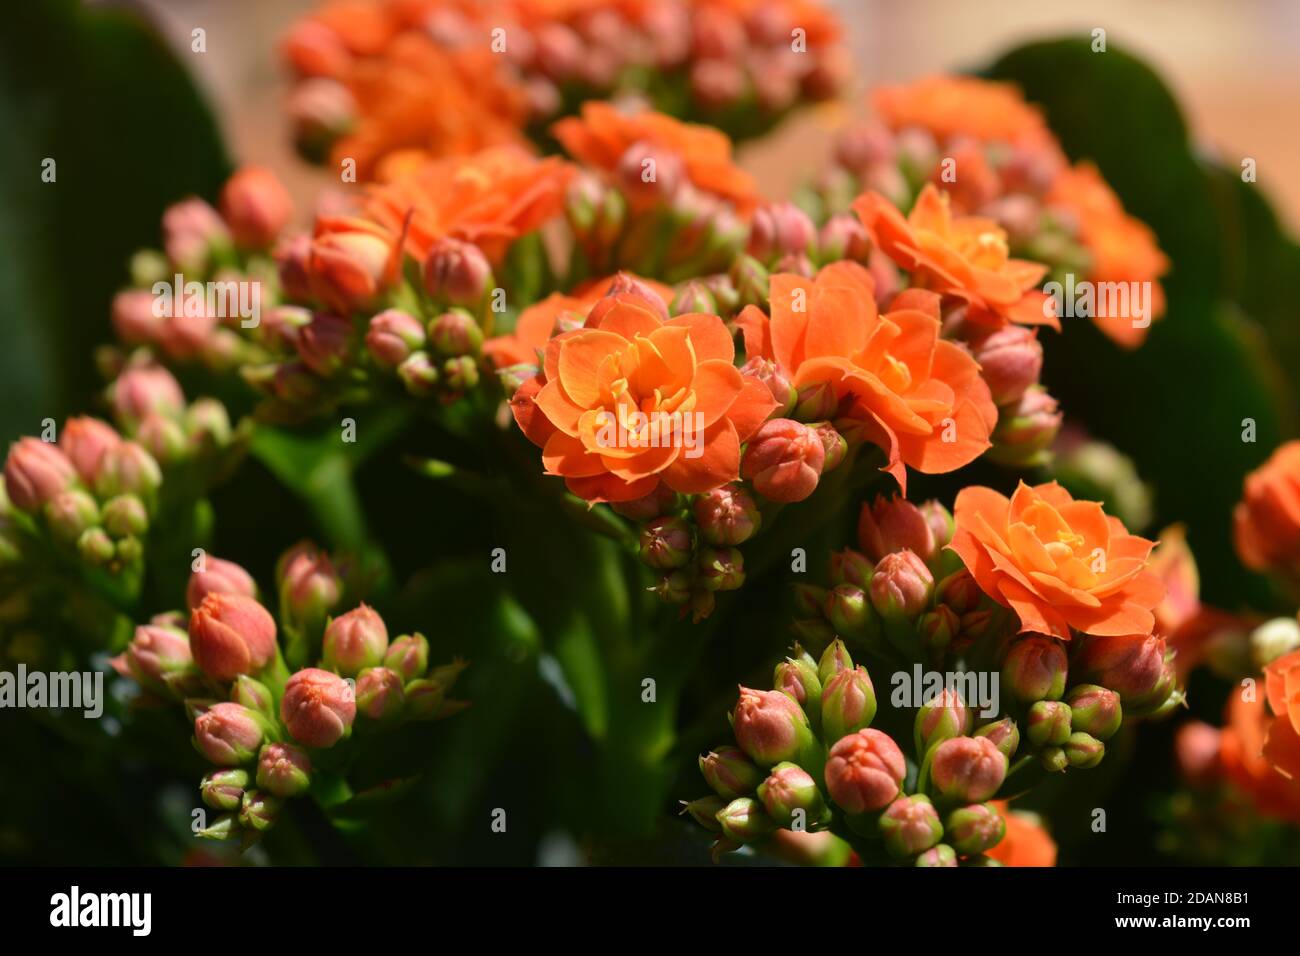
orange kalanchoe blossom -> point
(1058, 563)
(1122, 249)
(630, 360)
(964, 257)
(490, 198)
(1026, 843)
(1266, 523)
(1248, 761)
(1282, 685)
(538, 323)
(918, 396)
(603, 134)
(951, 106)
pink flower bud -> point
(224, 789)
(779, 229)
(256, 206)
(457, 272)
(895, 524)
(729, 772)
(797, 678)
(325, 343)
(945, 716)
(292, 259)
(231, 634)
(190, 229)
(769, 726)
(228, 734)
(718, 33)
(349, 269)
(770, 374)
(941, 855)
(901, 585)
(1026, 429)
(155, 653)
(408, 656)
(1035, 668)
(744, 820)
(283, 770)
(790, 796)
(910, 825)
(625, 283)
(455, 333)
(318, 707)
(843, 237)
(975, 829)
(865, 771)
(848, 703)
(69, 513)
(128, 469)
(835, 445)
(967, 769)
(133, 318)
(1094, 710)
(380, 693)
(1011, 360)
(851, 567)
(144, 389)
(1005, 736)
(650, 174)
(665, 543)
(559, 51)
(816, 402)
(716, 83)
(660, 501)
(727, 515)
(1083, 750)
(1196, 747)
(36, 471)
(355, 640)
(218, 577)
(419, 375)
(784, 460)
(959, 591)
(1130, 666)
(1048, 723)
(321, 111)
(834, 660)
(164, 438)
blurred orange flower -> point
(918, 396)
(962, 106)
(965, 257)
(635, 372)
(1282, 746)
(1026, 843)
(603, 134)
(1122, 249)
(490, 198)
(1266, 523)
(1244, 755)
(1058, 563)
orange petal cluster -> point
(1249, 747)
(601, 135)
(1122, 248)
(950, 106)
(965, 257)
(1026, 843)
(629, 360)
(1058, 563)
(1282, 745)
(1266, 522)
(916, 395)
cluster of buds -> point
(512, 68)
(806, 758)
(265, 729)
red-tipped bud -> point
(191, 228)
(937, 629)
(835, 446)
(292, 260)
(320, 112)
(128, 469)
(895, 524)
(865, 771)
(1130, 666)
(1035, 668)
(69, 513)
(729, 772)
(318, 707)
(85, 441)
(727, 516)
(771, 375)
(816, 402)
(231, 634)
(851, 567)
(665, 543)
(660, 501)
(797, 678)
(848, 703)
(354, 641)
(224, 789)
(256, 206)
(941, 855)
(310, 586)
(1026, 429)
(791, 797)
(778, 229)
(1196, 747)
(694, 296)
(455, 333)
(650, 174)
(156, 654)
(36, 472)
(959, 591)
(1005, 736)
(1095, 710)
(145, 389)
(1048, 723)
(901, 586)
(325, 343)
(349, 268)
(784, 460)
(259, 811)
(675, 587)
(942, 718)
(392, 336)
(228, 734)
(769, 726)
(720, 569)
(744, 820)
(625, 283)
(380, 693)
(283, 770)
(1083, 750)
(975, 828)
(967, 769)
(910, 825)
(408, 656)
(848, 609)
(843, 237)
(1011, 360)
(705, 810)
(834, 660)
(218, 577)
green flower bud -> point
(1084, 750)
(1095, 710)
(744, 820)
(791, 797)
(1048, 723)
(975, 828)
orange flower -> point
(351, 261)
(602, 135)
(965, 257)
(1026, 843)
(963, 106)
(1267, 520)
(1123, 249)
(490, 199)
(631, 401)
(1248, 760)
(919, 397)
(1282, 684)
(1058, 563)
